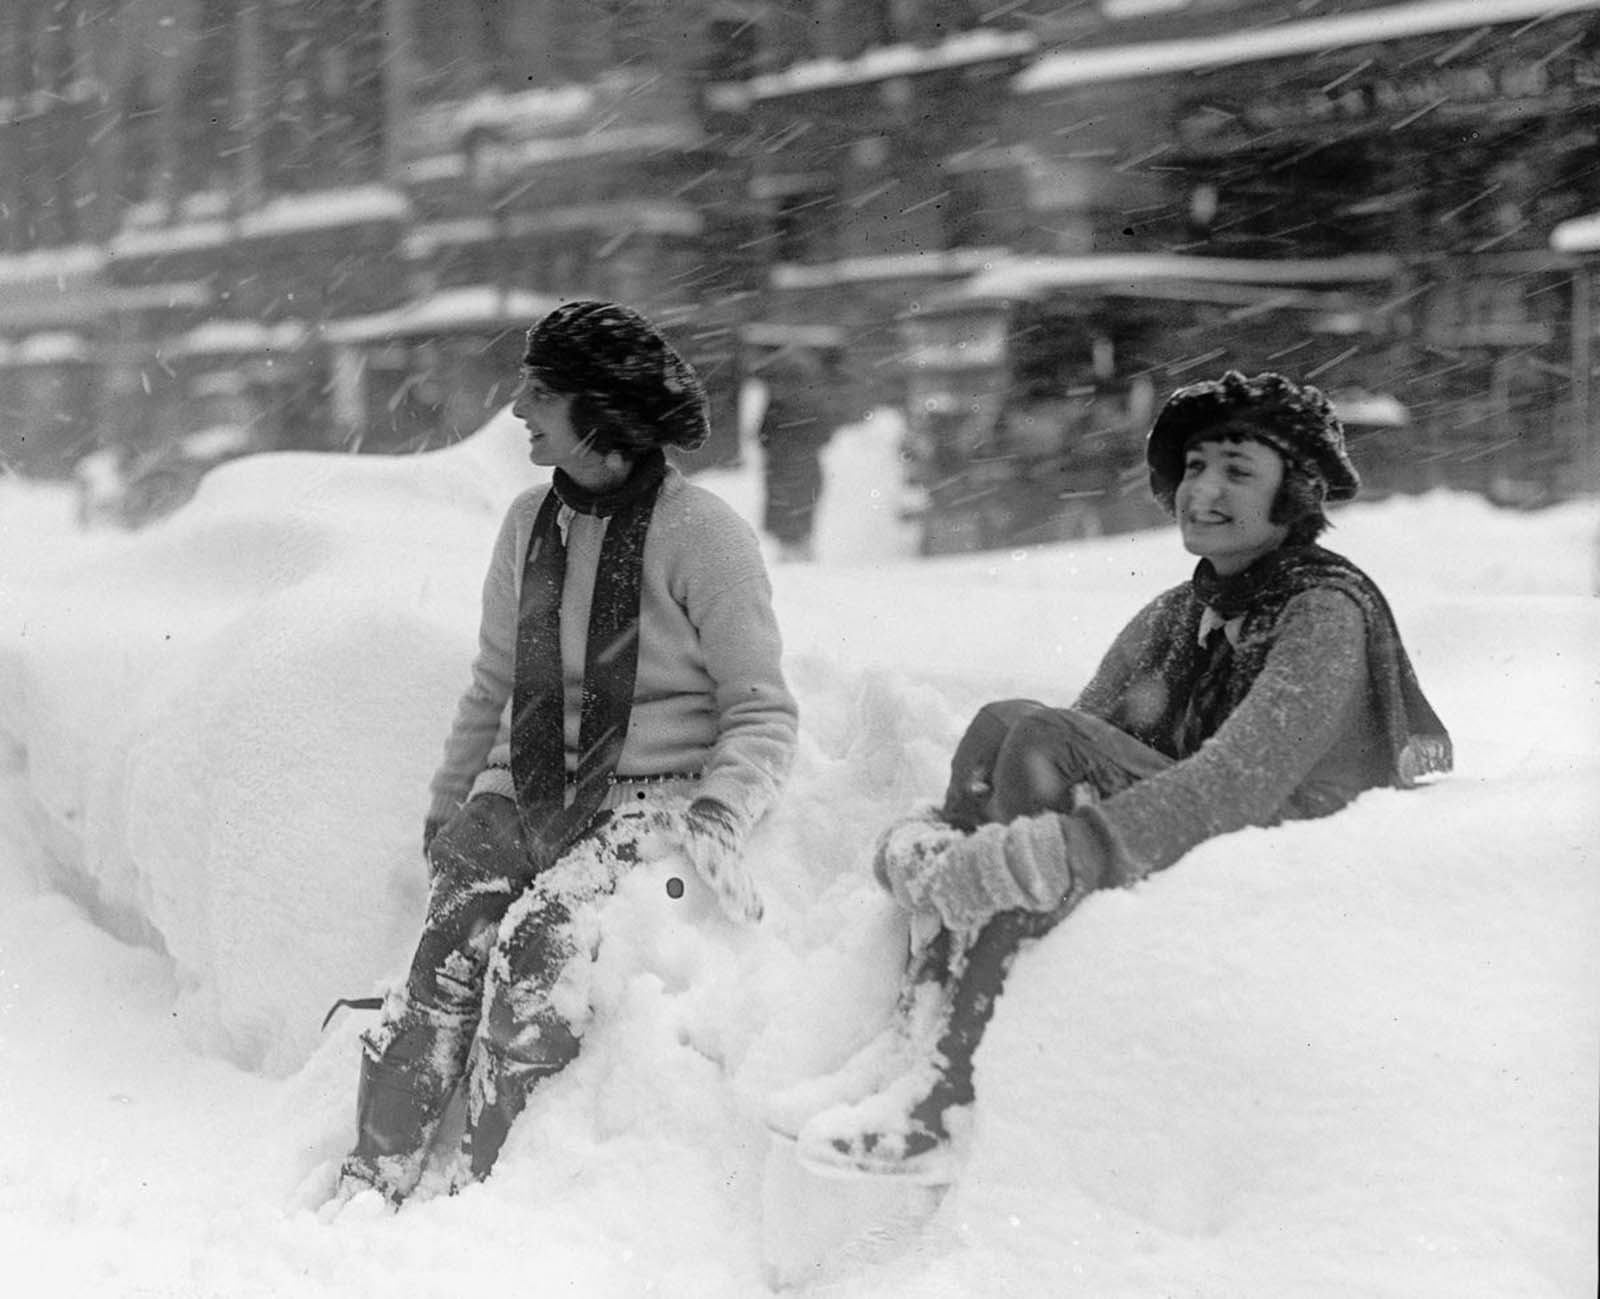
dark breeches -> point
(524, 1036)
(477, 999)
(1019, 757)
(479, 866)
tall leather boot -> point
(505, 1068)
(522, 1039)
(906, 1128)
(909, 1034)
(401, 1096)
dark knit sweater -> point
(1309, 718)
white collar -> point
(1210, 620)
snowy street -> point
(1355, 1056)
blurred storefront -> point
(333, 222)
(1448, 136)
(226, 205)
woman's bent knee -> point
(1049, 754)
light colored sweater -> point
(710, 695)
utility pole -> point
(398, 78)
(251, 178)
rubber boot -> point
(400, 1100)
(521, 1039)
(906, 1129)
(499, 1095)
(909, 1034)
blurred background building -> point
(324, 224)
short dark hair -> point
(604, 429)
(1299, 504)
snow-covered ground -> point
(1351, 1057)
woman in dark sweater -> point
(1272, 686)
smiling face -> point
(552, 441)
(1224, 502)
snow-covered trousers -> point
(1018, 757)
(481, 999)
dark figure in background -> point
(799, 420)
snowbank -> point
(1350, 1056)
(227, 718)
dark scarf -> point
(1204, 684)
(611, 658)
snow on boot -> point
(913, 1030)
(907, 850)
(906, 1129)
(524, 1036)
(913, 1129)
(400, 1099)
(498, 1091)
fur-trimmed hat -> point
(620, 364)
(1294, 419)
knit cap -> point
(1294, 419)
(617, 360)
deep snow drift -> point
(1356, 1056)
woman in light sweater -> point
(1272, 686)
(626, 698)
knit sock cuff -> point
(494, 780)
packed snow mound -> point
(481, 472)
(228, 718)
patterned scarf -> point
(611, 658)
(1204, 684)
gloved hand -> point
(709, 835)
(1022, 865)
(907, 852)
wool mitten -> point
(906, 853)
(710, 836)
(1022, 865)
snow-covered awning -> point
(1370, 409)
(516, 157)
(52, 265)
(777, 333)
(931, 263)
(662, 216)
(321, 209)
(41, 304)
(880, 64)
(237, 338)
(53, 347)
(541, 108)
(1023, 277)
(1579, 235)
(157, 241)
(1079, 67)
(449, 311)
